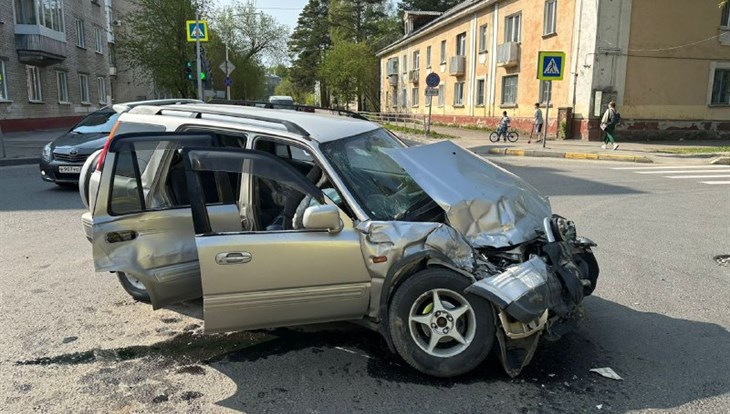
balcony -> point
(414, 75)
(112, 71)
(392, 67)
(39, 50)
(508, 54)
(457, 65)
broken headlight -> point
(563, 229)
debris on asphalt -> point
(607, 372)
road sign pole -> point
(547, 113)
(430, 105)
(197, 56)
(228, 85)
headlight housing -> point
(47, 152)
(563, 229)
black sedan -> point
(63, 157)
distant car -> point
(281, 101)
(63, 158)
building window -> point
(405, 63)
(546, 88)
(416, 60)
(395, 98)
(480, 91)
(80, 35)
(461, 44)
(721, 87)
(428, 56)
(459, 94)
(725, 19)
(550, 15)
(404, 97)
(112, 55)
(509, 90)
(3, 82)
(47, 13)
(442, 95)
(414, 96)
(483, 38)
(84, 88)
(512, 27)
(35, 94)
(99, 40)
(62, 83)
(443, 52)
(101, 84)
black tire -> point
(135, 292)
(408, 296)
(588, 266)
(494, 137)
(513, 136)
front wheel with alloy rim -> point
(436, 327)
(134, 287)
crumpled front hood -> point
(487, 204)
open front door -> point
(142, 224)
(281, 273)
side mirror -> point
(322, 217)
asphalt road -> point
(72, 341)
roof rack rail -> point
(295, 107)
(198, 111)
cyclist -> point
(503, 125)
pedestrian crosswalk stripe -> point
(715, 182)
(673, 167)
(682, 171)
(698, 176)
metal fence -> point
(411, 121)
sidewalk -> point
(26, 147)
(646, 152)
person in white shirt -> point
(538, 123)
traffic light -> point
(189, 70)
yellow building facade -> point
(664, 66)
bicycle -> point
(511, 135)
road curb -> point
(721, 161)
(569, 155)
(6, 162)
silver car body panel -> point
(487, 204)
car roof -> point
(321, 126)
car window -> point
(98, 122)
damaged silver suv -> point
(279, 218)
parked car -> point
(62, 158)
(279, 218)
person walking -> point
(538, 124)
(610, 119)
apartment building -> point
(57, 62)
(667, 66)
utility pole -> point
(197, 56)
(228, 74)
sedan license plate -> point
(68, 169)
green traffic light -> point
(202, 75)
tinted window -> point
(99, 122)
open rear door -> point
(142, 224)
(279, 275)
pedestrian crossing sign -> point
(197, 31)
(550, 66)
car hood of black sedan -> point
(85, 143)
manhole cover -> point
(723, 260)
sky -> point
(285, 11)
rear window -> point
(99, 122)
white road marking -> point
(698, 176)
(672, 167)
(681, 171)
(716, 182)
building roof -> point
(455, 12)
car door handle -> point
(229, 258)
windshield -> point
(99, 122)
(380, 185)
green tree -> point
(248, 80)
(350, 69)
(307, 46)
(428, 5)
(154, 40)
